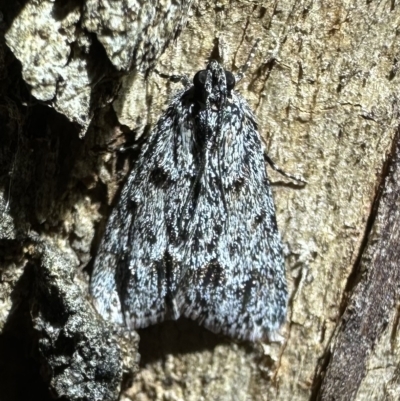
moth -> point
(194, 232)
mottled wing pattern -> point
(194, 232)
(234, 279)
(133, 276)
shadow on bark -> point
(183, 336)
(20, 377)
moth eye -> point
(230, 80)
(200, 79)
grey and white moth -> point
(194, 233)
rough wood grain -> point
(374, 297)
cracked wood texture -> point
(324, 87)
(370, 309)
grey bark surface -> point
(77, 84)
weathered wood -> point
(373, 298)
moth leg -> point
(183, 79)
(242, 70)
(280, 171)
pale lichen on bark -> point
(57, 50)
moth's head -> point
(214, 83)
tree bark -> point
(79, 81)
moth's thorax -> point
(213, 85)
